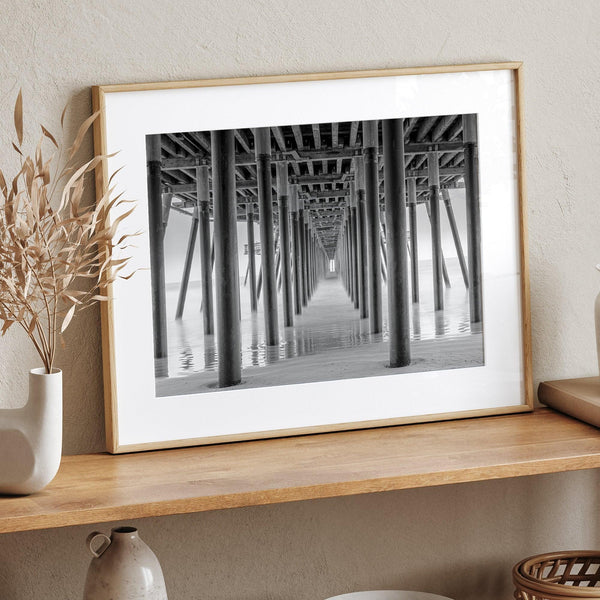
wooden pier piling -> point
(157, 256)
(414, 238)
(251, 257)
(226, 258)
(370, 154)
(436, 233)
(296, 249)
(284, 245)
(397, 259)
(473, 216)
(262, 147)
(206, 249)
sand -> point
(330, 342)
(361, 361)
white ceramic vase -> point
(123, 568)
(31, 436)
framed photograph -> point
(315, 253)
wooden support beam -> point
(157, 254)
(383, 244)
(262, 146)
(251, 257)
(442, 126)
(445, 275)
(348, 269)
(316, 130)
(226, 258)
(436, 235)
(167, 200)
(409, 125)
(284, 242)
(296, 249)
(397, 259)
(187, 267)
(207, 250)
(335, 127)
(305, 235)
(370, 154)
(240, 136)
(310, 155)
(414, 242)
(456, 237)
(351, 266)
(473, 216)
(302, 251)
(278, 135)
(314, 261)
(426, 125)
(354, 253)
(298, 137)
(359, 170)
(352, 142)
(189, 146)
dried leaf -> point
(67, 319)
(49, 136)
(27, 283)
(62, 116)
(55, 262)
(31, 326)
(83, 129)
(19, 117)
(2, 183)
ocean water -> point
(328, 323)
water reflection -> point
(328, 324)
(210, 353)
(416, 322)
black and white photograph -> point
(314, 252)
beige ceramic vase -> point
(123, 568)
(31, 436)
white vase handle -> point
(102, 547)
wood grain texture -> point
(174, 85)
(524, 246)
(106, 308)
(99, 487)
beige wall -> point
(459, 540)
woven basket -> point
(558, 576)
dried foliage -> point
(54, 262)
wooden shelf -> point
(100, 487)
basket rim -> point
(535, 584)
(572, 593)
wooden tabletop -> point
(100, 487)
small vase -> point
(123, 568)
(31, 436)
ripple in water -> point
(328, 324)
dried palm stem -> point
(54, 262)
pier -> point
(329, 217)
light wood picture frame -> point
(282, 286)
